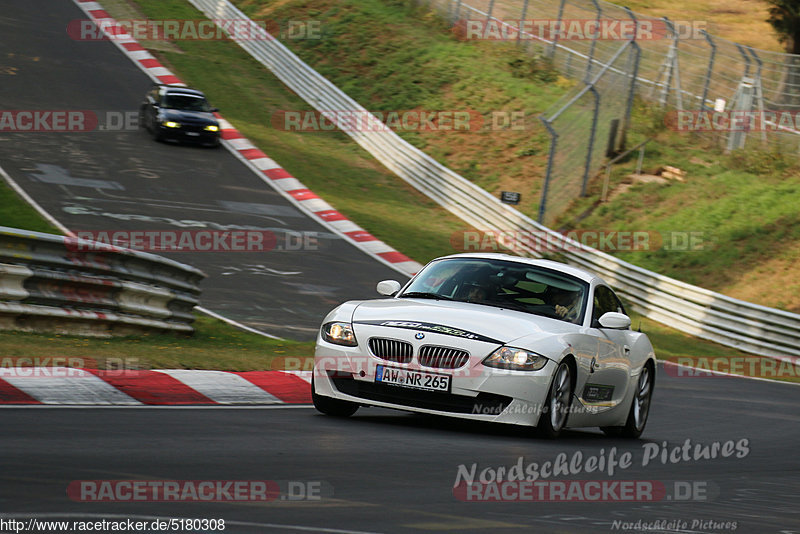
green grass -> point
(214, 345)
(16, 213)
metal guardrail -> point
(50, 282)
(694, 310)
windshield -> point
(186, 103)
(503, 284)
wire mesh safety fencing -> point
(711, 84)
(585, 127)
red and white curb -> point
(71, 386)
(265, 167)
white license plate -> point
(410, 378)
(193, 134)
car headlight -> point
(211, 128)
(515, 359)
(339, 334)
(171, 124)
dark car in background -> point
(171, 112)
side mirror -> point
(389, 288)
(214, 110)
(618, 321)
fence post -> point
(759, 91)
(550, 162)
(489, 11)
(592, 133)
(522, 20)
(710, 68)
(671, 69)
(742, 101)
(634, 58)
(590, 59)
(552, 53)
(457, 11)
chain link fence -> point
(708, 84)
(584, 128)
(681, 64)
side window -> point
(605, 301)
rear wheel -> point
(559, 398)
(640, 408)
(329, 406)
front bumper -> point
(188, 134)
(477, 392)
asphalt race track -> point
(386, 471)
(122, 180)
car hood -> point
(194, 117)
(460, 319)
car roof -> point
(175, 89)
(548, 264)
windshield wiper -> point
(508, 306)
(425, 295)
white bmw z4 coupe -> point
(490, 337)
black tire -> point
(556, 407)
(329, 406)
(640, 407)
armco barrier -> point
(705, 314)
(56, 283)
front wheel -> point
(556, 408)
(329, 406)
(640, 408)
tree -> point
(784, 16)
